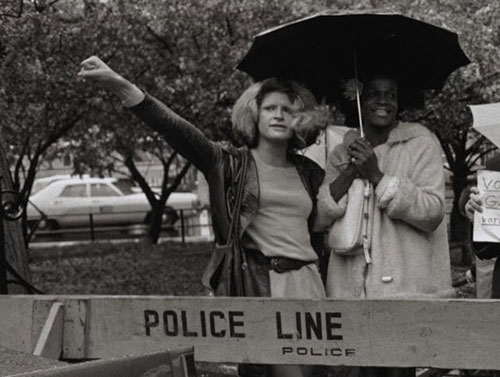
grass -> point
(137, 269)
(133, 269)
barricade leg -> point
(182, 362)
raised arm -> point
(180, 134)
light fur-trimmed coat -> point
(409, 243)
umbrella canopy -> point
(319, 51)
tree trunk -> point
(16, 251)
(154, 228)
(458, 224)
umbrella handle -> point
(358, 96)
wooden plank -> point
(182, 362)
(157, 364)
(16, 323)
(40, 313)
(446, 334)
(50, 342)
(75, 328)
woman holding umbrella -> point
(402, 161)
(275, 188)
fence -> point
(191, 222)
(448, 334)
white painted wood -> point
(50, 342)
(447, 334)
(40, 313)
(75, 328)
(15, 323)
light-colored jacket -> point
(409, 241)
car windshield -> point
(126, 187)
(37, 186)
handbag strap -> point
(232, 235)
(367, 193)
(239, 179)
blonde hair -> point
(245, 115)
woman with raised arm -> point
(272, 118)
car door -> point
(72, 205)
(105, 201)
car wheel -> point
(170, 216)
(32, 225)
(48, 225)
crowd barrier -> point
(438, 333)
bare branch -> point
(479, 156)
(139, 178)
(171, 159)
(161, 40)
(474, 148)
(447, 151)
(230, 30)
(175, 183)
(56, 134)
(19, 163)
(194, 37)
(28, 182)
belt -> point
(277, 264)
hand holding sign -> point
(473, 204)
(487, 221)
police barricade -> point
(441, 333)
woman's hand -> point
(473, 204)
(95, 70)
(341, 184)
(362, 155)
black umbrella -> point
(324, 48)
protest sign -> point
(487, 223)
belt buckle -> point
(275, 266)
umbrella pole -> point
(323, 101)
(358, 96)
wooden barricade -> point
(447, 334)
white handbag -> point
(351, 234)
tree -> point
(16, 256)
(40, 99)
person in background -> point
(409, 244)
(272, 119)
(487, 261)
